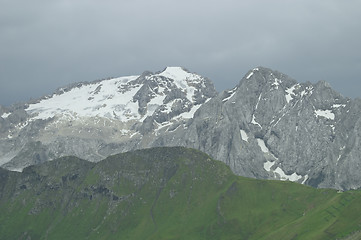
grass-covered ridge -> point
(166, 193)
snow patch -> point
(307, 91)
(283, 176)
(290, 93)
(124, 131)
(264, 148)
(244, 135)
(278, 172)
(340, 155)
(5, 115)
(174, 129)
(133, 134)
(232, 92)
(168, 107)
(259, 99)
(249, 75)
(262, 145)
(325, 113)
(305, 179)
(276, 83)
(338, 105)
(16, 169)
(21, 125)
(254, 121)
(268, 165)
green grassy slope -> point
(166, 193)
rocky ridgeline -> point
(269, 126)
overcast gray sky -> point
(47, 44)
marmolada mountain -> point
(269, 126)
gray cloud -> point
(48, 44)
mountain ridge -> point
(268, 126)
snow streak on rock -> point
(244, 135)
(325, 113)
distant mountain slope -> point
(166, 193)
(269, 126)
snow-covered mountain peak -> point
(182, 77)
(178, 74)
(128, 98)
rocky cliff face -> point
(268, 126)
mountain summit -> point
(268, 126)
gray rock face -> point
(268, 126)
